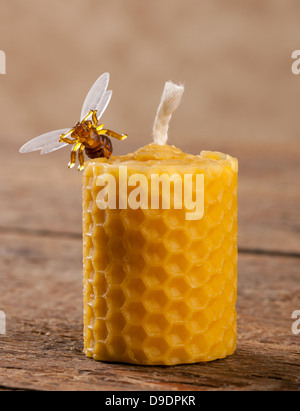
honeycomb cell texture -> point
(159, 289)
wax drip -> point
(170, 101)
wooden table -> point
(41, 281)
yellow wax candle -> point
(160, 283)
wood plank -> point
(41, 289)
(40, 193)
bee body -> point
(86, 136)
(96, 145)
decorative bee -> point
(87, 135)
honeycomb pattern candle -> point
(160, 282)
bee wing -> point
(95, 95)
(46, 143)
(104, 102)
(53, 147)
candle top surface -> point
(166, 154)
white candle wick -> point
(170, 101)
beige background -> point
(233, 56)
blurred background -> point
(234, 58)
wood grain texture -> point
(47, 196)
(43, 347)
(41, 280)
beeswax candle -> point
(160, 283)
(159, 289)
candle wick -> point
(170, 101)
